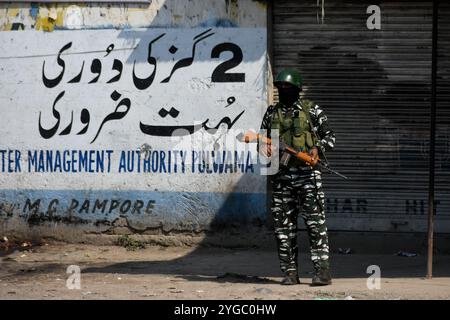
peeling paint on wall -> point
(159, 13)
(73, 17)
(49, 18)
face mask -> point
(288, 95)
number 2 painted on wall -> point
(219, 74)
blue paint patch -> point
(99, 27)
(142, 207)
(34, 10)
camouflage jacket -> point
(319, 123)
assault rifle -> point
(288, 151)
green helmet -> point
(290, 76)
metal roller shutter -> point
(375, 87)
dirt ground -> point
(112, 272)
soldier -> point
(297, 187)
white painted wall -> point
(161, 196)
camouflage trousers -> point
(299, 191)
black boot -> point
(321, 278)
(290, 278)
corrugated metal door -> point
(375, 87)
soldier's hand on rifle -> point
(267, 149)
(314, 153)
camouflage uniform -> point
(299, 190)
